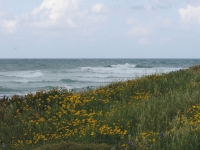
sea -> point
(23, 76)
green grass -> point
(151, 112)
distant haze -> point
(99, 29)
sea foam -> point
(22, 74)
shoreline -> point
(3, 97)
(35, 75)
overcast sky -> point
(100, 29)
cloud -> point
(71, 24)
(193, 2)
(138, 7)
(7, 25)
(58, 17)
(143, 41)
(1, 14)
(68, 14)
(10, 25)
(162, 7)
(162, 23)
(191, 14)
(153, 6)
(140, 31)
(97, 8)
(131, 21)
(148, 31)
(52, 13)
(97, 13)
(166, 23)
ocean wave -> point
(99, 76)
(109, 67)
(20, 81)
(75, 75)
(126, 65)
(5, 90)
(23, 74)
(42, 81)
(142, 66)
(68, 80)
(30, 81)
(84, 80)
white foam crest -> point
(124, 66)
(23, 74)
(99, 76)
(104, 75)
(119, 66)
(115, 71)
(69, 87)
(21, 81)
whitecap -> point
(23, 74)
(124, 66)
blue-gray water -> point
(21, 76)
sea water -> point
(22, 76)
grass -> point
(151, 112)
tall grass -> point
(151, 112)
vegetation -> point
(151, 112)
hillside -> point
(160, 111)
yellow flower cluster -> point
(64, 116)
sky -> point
(100, 29)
